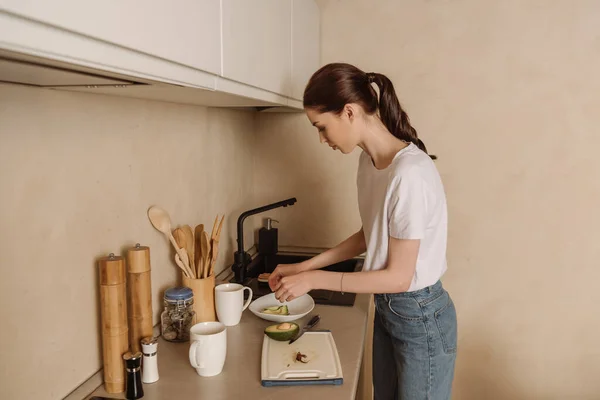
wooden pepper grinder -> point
(139, 292)
(113, 309)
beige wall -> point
(291, 162)
(507, 94)
(77, 174)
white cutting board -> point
(278, 365)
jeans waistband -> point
(436, 287)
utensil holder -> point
(204, 297)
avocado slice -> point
(282, 332)
(279, 310)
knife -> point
(311, 324)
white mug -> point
(229, 302)
(208, 348)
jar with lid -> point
(178, 315)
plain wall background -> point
(78, 173)
(506, 93)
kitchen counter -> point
(241, 373)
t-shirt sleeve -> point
(408, 206)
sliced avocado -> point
(282, 332)
(279, 310)
(274, 308)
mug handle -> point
(249, 298)
(193, 354)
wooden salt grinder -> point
(113, 309)
(140, 295)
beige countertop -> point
(241, 373)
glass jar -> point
(178, 315)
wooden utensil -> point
(205, 253)
(215, 227)
(182, 241)
(179, 236)
(162, 222)
(198, 249)
(215, 245)
(186, 263)
(181, 265)
(214, 253)
(189, 245)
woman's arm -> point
(395, 278)
(349, 248)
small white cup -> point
(229, 302)
(208, 348)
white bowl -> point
(297, 308)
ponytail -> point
(335, 85)
(391, 113)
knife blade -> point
(311, 324)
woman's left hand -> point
(294, 286)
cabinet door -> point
(306, 49)
(187, 32)
(257, 43)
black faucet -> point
(241, 257)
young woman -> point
(403, 210)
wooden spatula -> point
(215, 245)
(205, 254)
(198, 249)
(215, 227)
(189, 245)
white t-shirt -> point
(406, 200)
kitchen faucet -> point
(241, 257)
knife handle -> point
(313, 322)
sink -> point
(267, 263)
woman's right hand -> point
(281, 271)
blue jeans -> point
(414, 345)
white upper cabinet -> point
(187, 32)
(257, 43)
(258, 53)
(305, 44)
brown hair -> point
(337, 84)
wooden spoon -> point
(162, 222)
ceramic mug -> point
(208, 347)
(229, 302)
